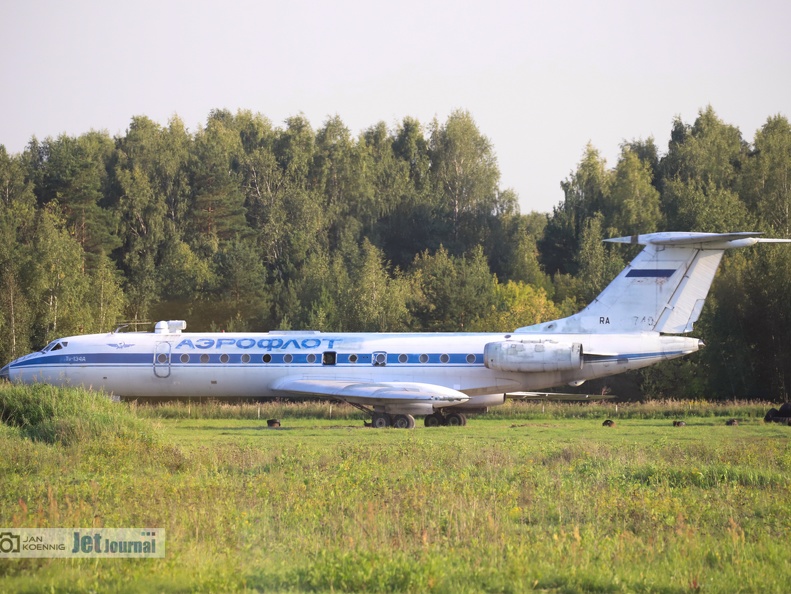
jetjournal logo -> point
(82, 542)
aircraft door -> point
(162, 359)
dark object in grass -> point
(679, 424)
(272, 423)
(732, 422)
(608, 423)
(773, 416)
(782, 416)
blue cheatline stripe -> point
(89, 359)
(279, 359)
(645, 273)
(110, 359)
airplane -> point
(635, 322)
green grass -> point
(512, 410)
(53, 415)
(536, 500)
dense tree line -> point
(242, 225)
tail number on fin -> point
(644, 321)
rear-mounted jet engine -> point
(529, 356)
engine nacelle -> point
(531, 356)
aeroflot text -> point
(268, 344)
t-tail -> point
(662, 290)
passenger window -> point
(329, 358)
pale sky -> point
(541, 79)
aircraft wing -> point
(373, 393)
(556, 396)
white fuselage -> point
(176, 364)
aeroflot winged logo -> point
(120, 345)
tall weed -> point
(69, 415)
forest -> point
(243, 225)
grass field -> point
(528, 498)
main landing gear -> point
(453, 419)
(381, 420)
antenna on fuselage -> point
(125, 324)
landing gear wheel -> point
(434, 420)
(404, 422)
(381, 420)
(455, 420)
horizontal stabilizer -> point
(715, 241)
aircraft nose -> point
(5, 372)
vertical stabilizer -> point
(662, 290)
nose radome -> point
(5, 372)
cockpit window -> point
(55, 345)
